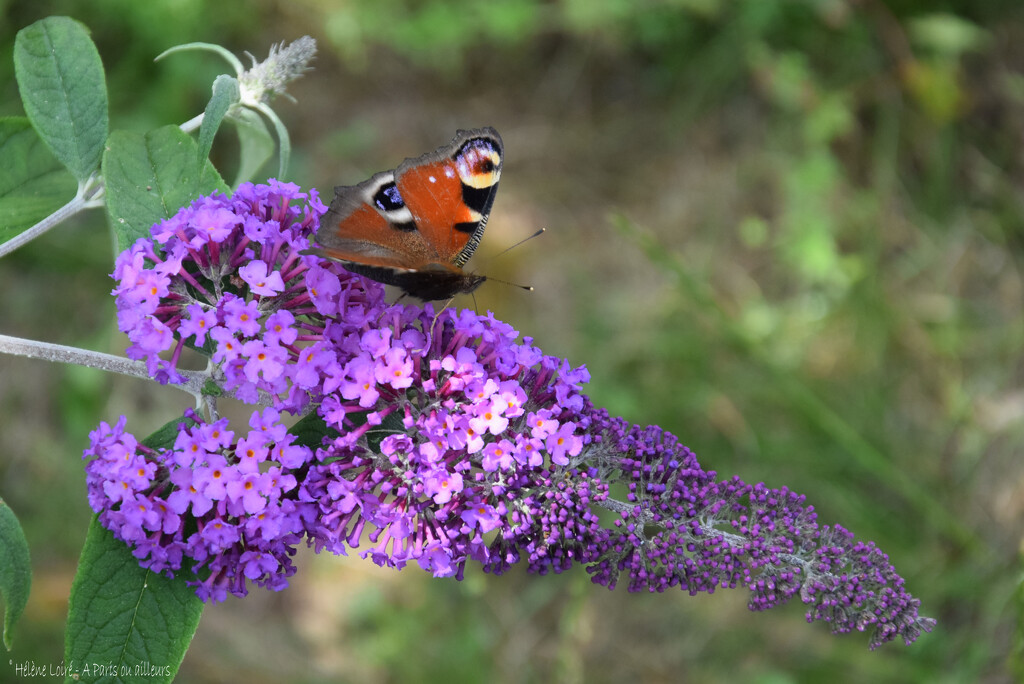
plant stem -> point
(194, 380)
(77, 204)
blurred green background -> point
(791, 232)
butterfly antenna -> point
(528, 288)
(508, 249)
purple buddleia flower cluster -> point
(225, 275)
(434, 439)
(480, 434)
(222, 502)
(683, 527)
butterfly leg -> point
(430, 333)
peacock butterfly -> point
(415, 226)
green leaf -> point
(149, 177)
(60, 77)
(33, 184)
(225, 94)
(165, 435)
(310, 430)
(256, 145)
(212, 389)
(391, 425)
(125, 617)
(15, 570)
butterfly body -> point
(416, 226)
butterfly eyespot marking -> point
(478, 164)
(388, 198)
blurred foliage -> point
(143, 93)
(791, 232)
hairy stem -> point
(194, 380)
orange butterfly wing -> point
(416, 226)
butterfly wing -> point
(449, 192)
(427, 215)
(368, 224)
